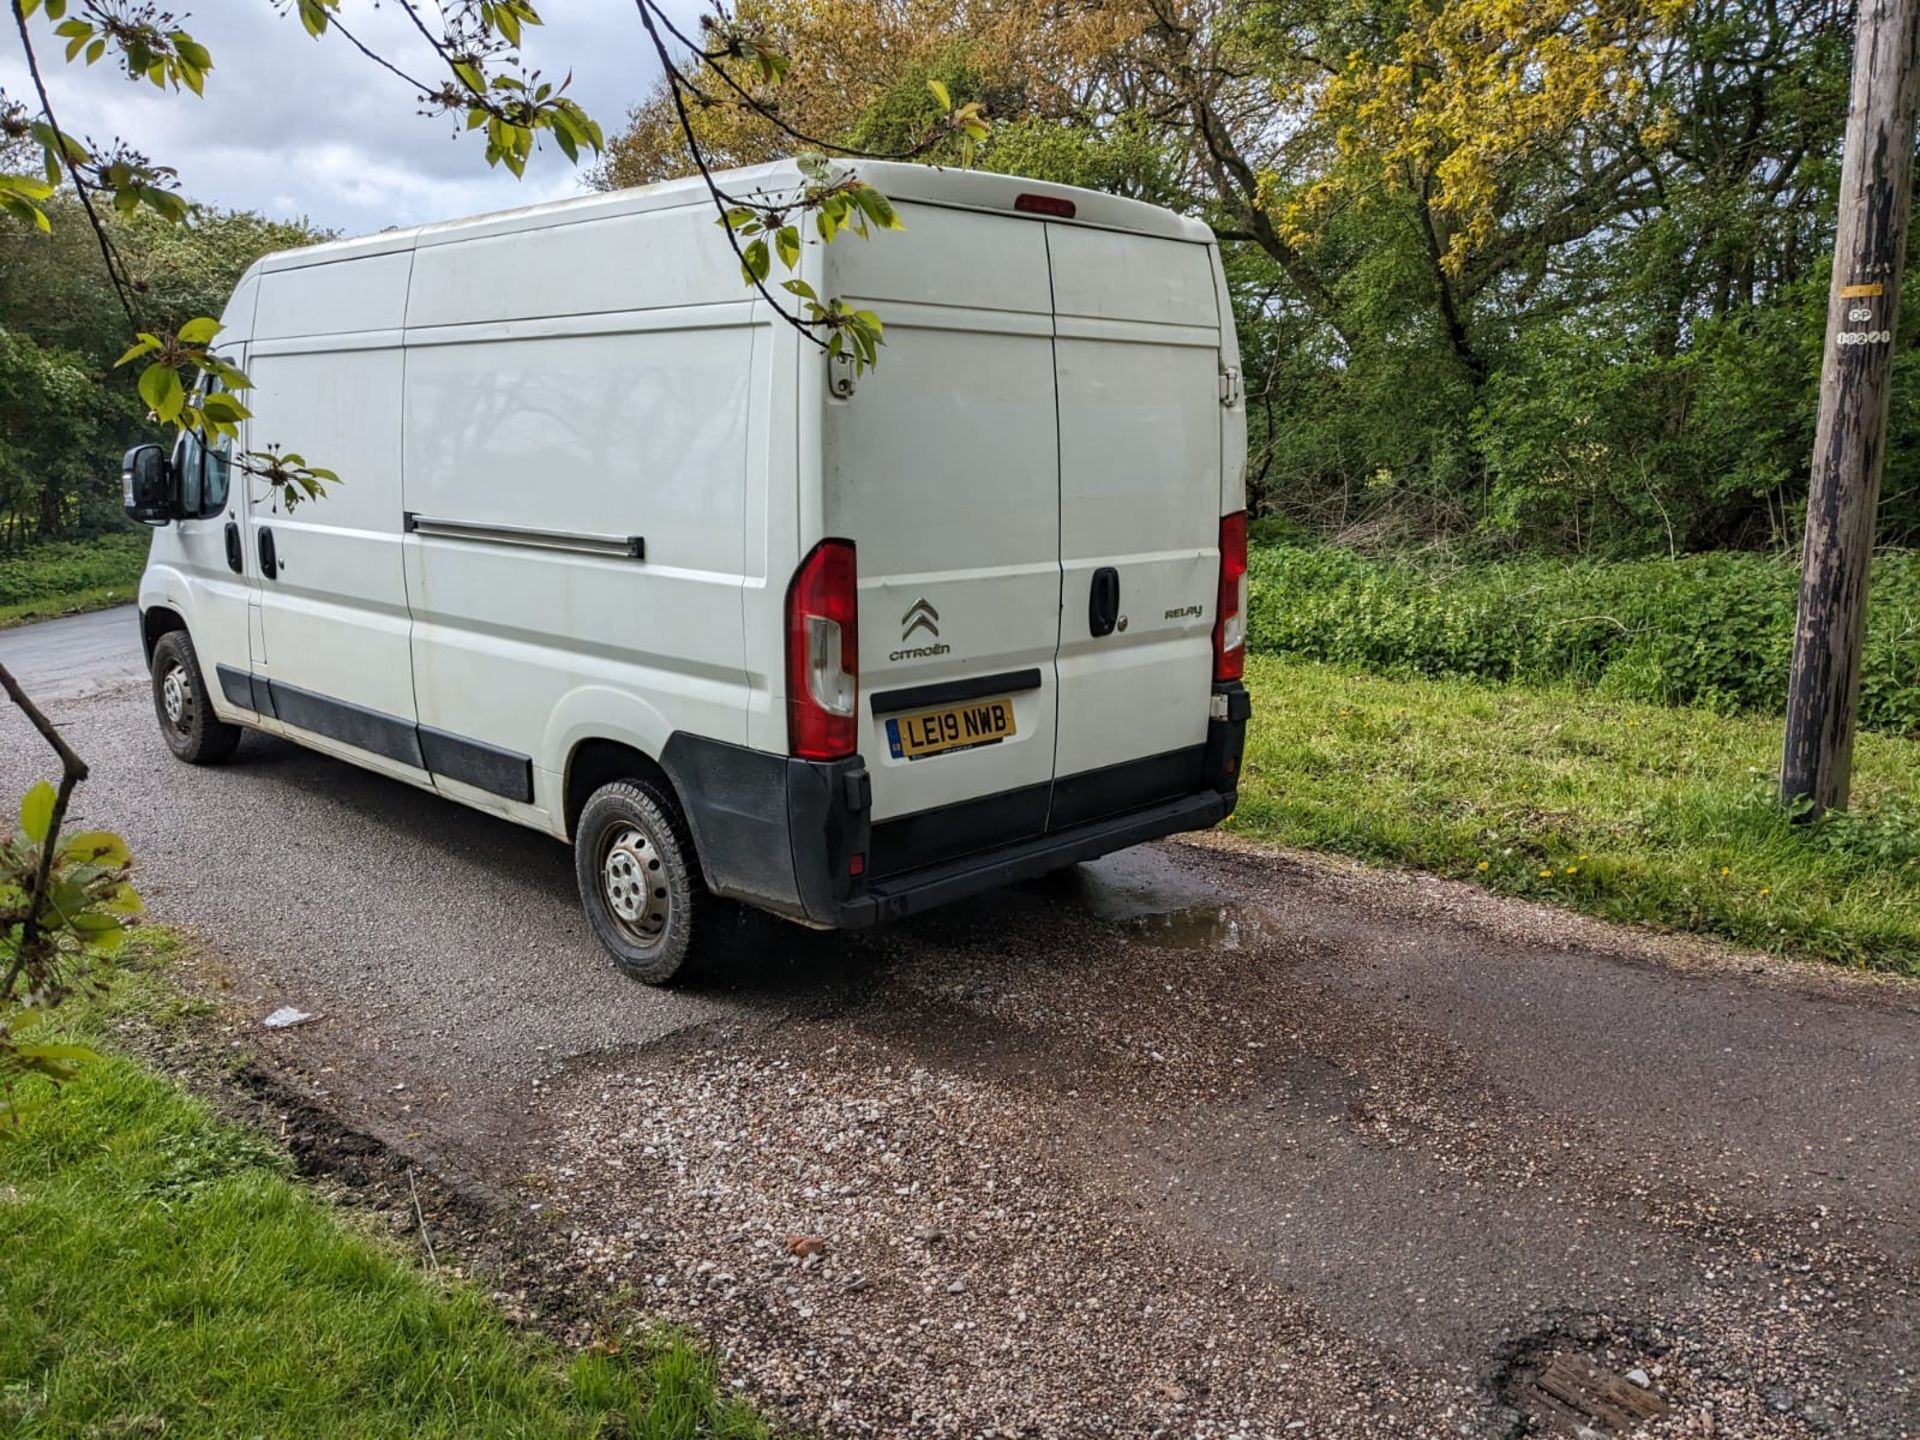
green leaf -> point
(754, 262)
(98, 847)
(199, 331)
(224, 409)
(878, 208)
(144, 345)
(787, 243)
(36, 811)
(940, 94)
(160, 387)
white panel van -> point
(618, 554)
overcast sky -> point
(295, 127)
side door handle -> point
(1103, 601)
(269, 557)
(236, 561)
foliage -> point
(1635, 813)
(1461, 100)
(63, 904)
(859, 78)
(1714, 631)
(68, 575)
(66, 414)
(167, 1273)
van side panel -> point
(604, 429)
(592, 267)
(339, 297)
(1140, 466)
(333, 620)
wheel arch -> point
(156, 621)
(596, 761)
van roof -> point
(926, 184)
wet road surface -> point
(1199, 1140)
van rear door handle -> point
(269, 558)
(1103, 601)
(236, 562)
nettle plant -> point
(63, 905)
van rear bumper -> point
(899, 896)
(796, 836)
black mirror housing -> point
(146, 485)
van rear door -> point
(1139, 370)
(943, 470)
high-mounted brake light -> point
(1230, 619)
(1054, 205)
(823, 654)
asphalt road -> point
(1203, 1140)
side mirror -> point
(146, 485)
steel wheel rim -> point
(633, 883)
(176, 699)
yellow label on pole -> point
(1862, 292)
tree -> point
(56, 302)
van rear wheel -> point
(642, 889)
(182, 706)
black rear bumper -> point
(796, 836)
(899, 896)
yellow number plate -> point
(949, 727)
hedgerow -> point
(1712, 630)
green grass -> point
(162, 1273)
(1632, 812)
(68, 576)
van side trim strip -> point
(622, 547)
(237, 686)
(476, 763)
(971, 687)
(355, 725)
(447, 756)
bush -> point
(1711, 630)
(48, 574)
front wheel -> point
(181, 704)
(642, 889)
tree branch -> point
(720, 198)
(116, 269)
(72, 771)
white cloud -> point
(293, 127)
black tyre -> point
(181, 704)
(639, 881)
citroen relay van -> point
(618, 554)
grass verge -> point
(68, 576)
(1638, 813)
(164, 1274)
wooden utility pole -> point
(1849, 448)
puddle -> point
(1153, 902)
(1202, 927)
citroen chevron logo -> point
(920, 616)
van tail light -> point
(1230, 619)
(823, 654)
